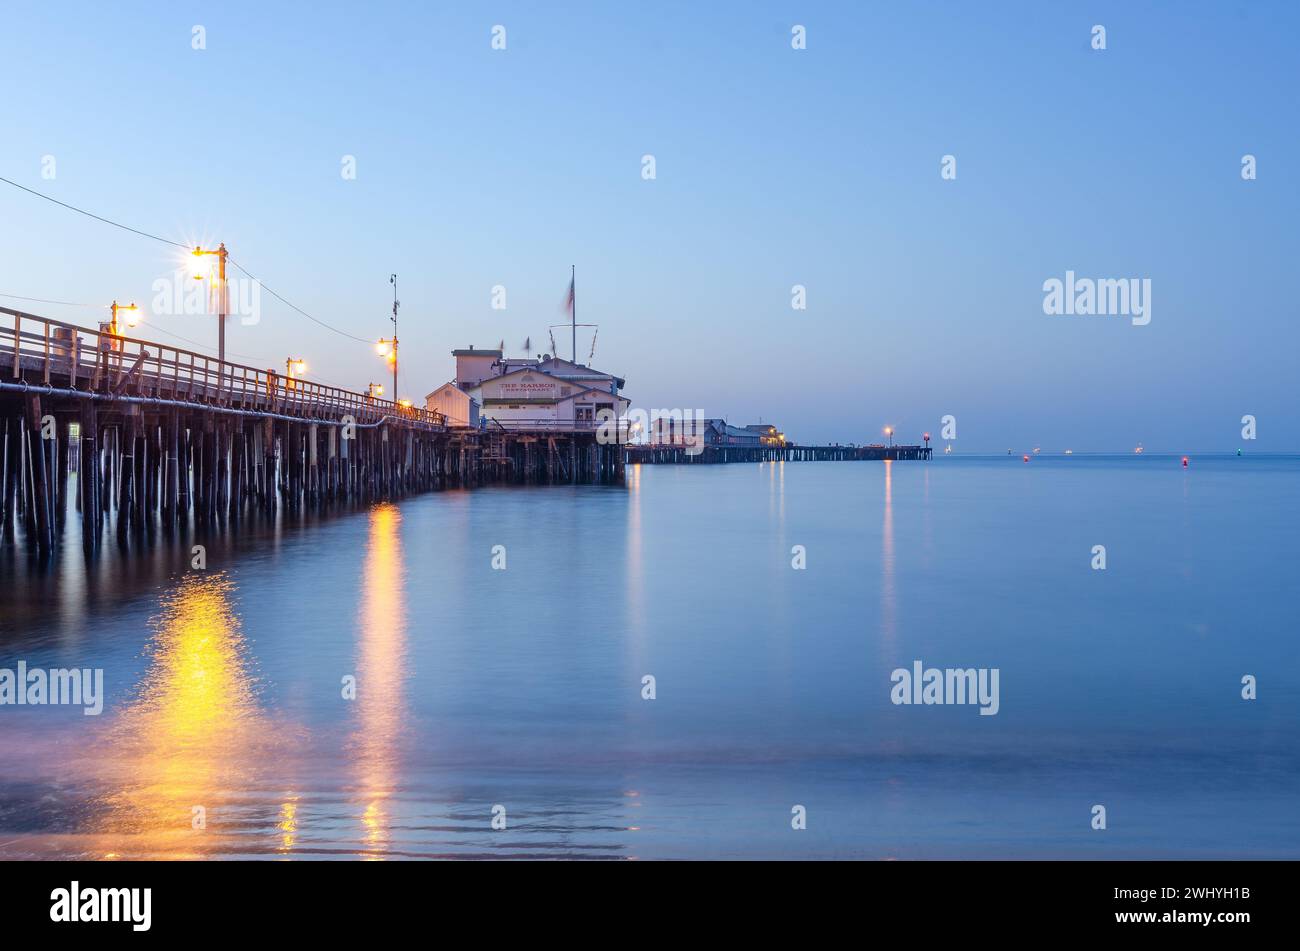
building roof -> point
(558, 378)
(450, 383)
(578, 388)
(726, 429)
(471, 352)
(577, 371)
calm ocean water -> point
(522, 688)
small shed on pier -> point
(458, 406)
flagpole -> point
(573, 311)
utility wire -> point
(177, 244)
(82, 211)
(290, 304)
(65, 303)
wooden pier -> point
(161, 437)
(157, 438)
(712, 455)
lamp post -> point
(221, 307)
(889, 431)
(392, 279)
(375, 390)
(293, 368)
(132, 315)
(387, 347)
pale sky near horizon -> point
(774, 167)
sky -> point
(478, 168)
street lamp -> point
(392, 279)
(387, 348)
(197, 274)
(294, 367)
(128, 312)
(375, 390)
(889, 431)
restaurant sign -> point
(528, 388)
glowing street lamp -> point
(375, 390)
(128, 312)
(120, 312)
(196, 271)
(293, 368)
(387, 348)
(889, 431)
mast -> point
(392, 279)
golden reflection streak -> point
(634, 580)
(635, 574)
(380, 676)
(288, 824)
(195, 737)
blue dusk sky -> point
(773, 167)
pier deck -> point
(165, 434)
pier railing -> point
(55, 353)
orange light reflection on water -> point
(186, 752)
(380, 678)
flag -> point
(568, 300)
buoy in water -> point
(1026, 458)
(1184, 462)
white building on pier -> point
(546, 393)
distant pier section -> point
(674, 441)
(684, 455)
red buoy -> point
(1026, 458)
(1184, 462)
